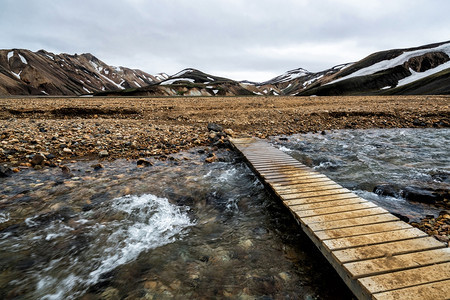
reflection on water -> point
(363, 159)
(179, 229)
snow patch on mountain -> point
(181, 73)
(118, 85)
(171, 81)
(419, 75)
(396, 61)
(10, 55)
(23, 59)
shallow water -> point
(179, 229)
(363, 159)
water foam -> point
(146, 222)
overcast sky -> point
(252, 39)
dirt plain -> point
(79, 128)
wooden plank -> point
(325, 204)
(319, 199)
(397, 262)
(290, 173)
(303, 212)
(387, 249)
(296, 179)
(431, 291)
(307, 186)
(302, 181)
(374, 238)
(344, 215)
(353, 222)
(389, 226)
(407, 278)
(315, 194)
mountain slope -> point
(190, 82)
(23, 72)
(420, 70)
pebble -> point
(212, 158)
(143, 163)
(103, 153)
(37, 159)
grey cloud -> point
(245, 37)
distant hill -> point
(420, 70)
(23, 72)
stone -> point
(97, 167)
(212, 158)
(37, 159)
(229, 131)
(144, 163)
(214, 127)
(386, 190)
(103, 153)
(67, 150)
(5, 171)
(110, 294)
(418, 194)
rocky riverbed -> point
(50, 132)
(67, 129)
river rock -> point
(97, 167)
(143, 163)
(229, 131)
(103, 153)
(5, 171)
(37, 159)
(417, 194)
(386, 190)
(215, 127)
(211, 158)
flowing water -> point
(179, 229)
(362, 159)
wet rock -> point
(87, 207)
(211, 158)
(5, 171)
(215, 127)
(386, 190)
(66, 170)
(37, 159)
(144, 163)
(67, 151)
(110, 294)
(103, 153)
(97, 167)
(418, 194)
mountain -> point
(190, 82)
(420, 70)
(23, 72)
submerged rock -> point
(5, 171)
(386, 190)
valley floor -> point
(65, 129)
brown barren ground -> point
(74, 128)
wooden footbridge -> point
(377, 255)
